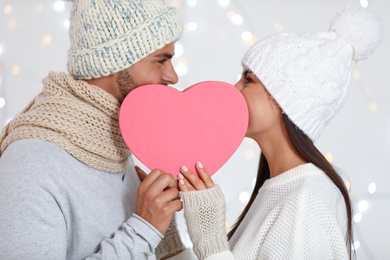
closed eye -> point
(248, 76)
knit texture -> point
(205, 217)
(308, 74)
(110, 36)
(171, 243)
(79, 117)
(299, 214)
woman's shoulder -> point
(307, 184)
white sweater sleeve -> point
(204, 212)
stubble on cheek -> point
(125, 82)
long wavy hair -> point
(310, 153)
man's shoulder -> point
(35, 159)
(33, 151)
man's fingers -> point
(141, 174)
(176, 205)
(159, 178)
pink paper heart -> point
(166, 128)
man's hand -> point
(157, 198)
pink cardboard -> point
(166, 128)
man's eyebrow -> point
(164, 55)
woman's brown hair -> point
(310, 153)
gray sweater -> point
(52, 206)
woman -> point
(300, 209)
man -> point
(68, 188)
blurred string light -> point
(244, 197)
(362, 206)
(234, 17)
(2, 98)
(47, 39)
(372, 106)
(175, 3)
(224, 3)
(357, 217)
(66, 24)
(39, 8)
(15, 70)
(181, 67)
(364, 3)
(59, 6)
(278, 27)
(356, 245)
(12, 24)
(329, 157)
(2, 102)
(372, 188)
(356, 75)
(192, 3)
(192, 26)
(178, 49)
(7, 9)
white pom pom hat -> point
(308, 74)
(110, 36)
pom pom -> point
(360, 28)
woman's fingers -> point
(192, 179)
(208, 182)
(184, 185)
(189, 181)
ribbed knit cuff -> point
(204, 212)
(171, 243)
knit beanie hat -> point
(308, 74)
(110, 36)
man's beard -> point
(126, 82)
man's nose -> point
(170, 75)
(238, 85)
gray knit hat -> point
(107, 36)
(308, 74)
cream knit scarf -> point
(81, 118)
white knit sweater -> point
(299, 214)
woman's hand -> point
(188, 181)
(204, 212)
